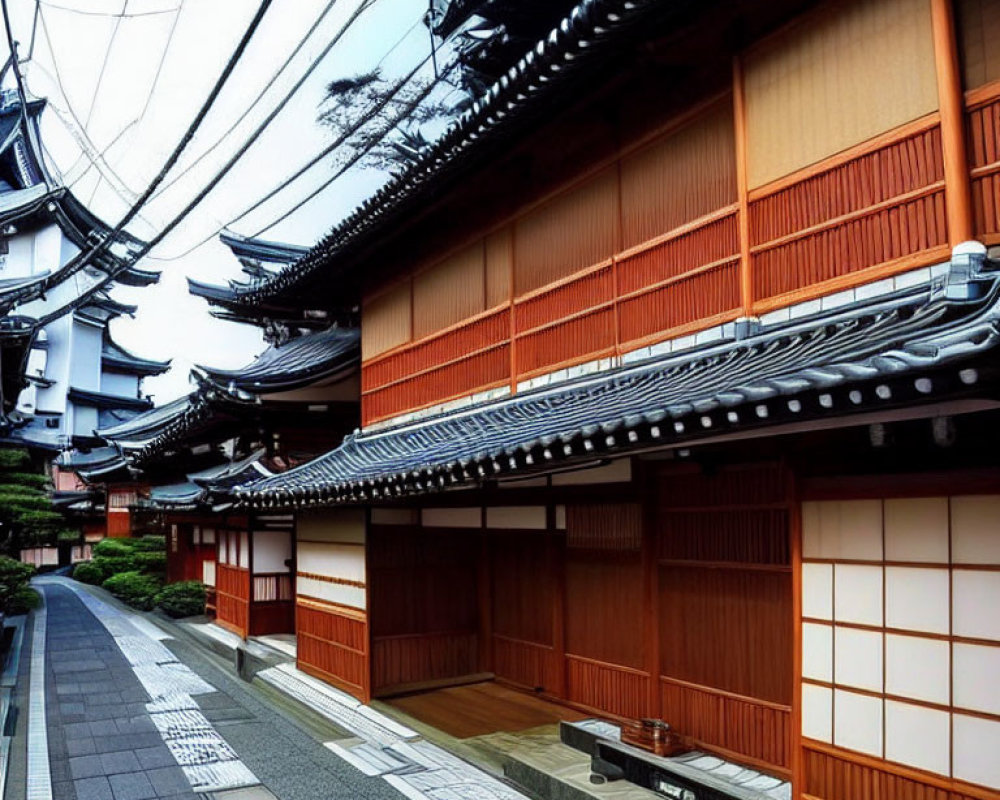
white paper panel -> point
(857, 722)
(849, 529)
(270, 551)
(208, 573)
(917, 599)
(817, 652)
(858, 659)
(340, 525)
(858, 594)
(977, 677)
(244, 549)
(975, 529)
(976, 604)
(916, 529)
(918, 737)
(344, 561)
(918, 668)
(516, 517)
(976, 745)
(817, 712)
(817, 591)
(451, 518)
(352, 596)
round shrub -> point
(23, 600)
(151, 562)
(14, 577)
(134, 589)
(112, 565)
(182, 599)
(114, 548)
(88, 572)
(149, 544)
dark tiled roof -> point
(104, 400)
(116, 356)
(909, 348)
(298, 362)
(581, 40)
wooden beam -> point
(795, 551)
(742, 192)
(958, 194)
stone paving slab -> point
(103, 744)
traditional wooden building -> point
(678, 380)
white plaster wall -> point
(270, 551)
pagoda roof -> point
(296, 363)
(198, 487)
(115, 356)
(105, 400)
(915, 346)
(579, 42)
(254, 251)
(133, 276)
(148, 425)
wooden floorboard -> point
(481, 708)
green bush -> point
(113, 565)
(14, 577)
(69, 535)
(134, 589)
(23, 479)
(14, 459)
(183, 599)
(23, 601)
(149, 544)
(114, 548)
(151, 562)
(88, 572)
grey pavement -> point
(103, 744)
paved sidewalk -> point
(103, 744)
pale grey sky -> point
(124, 78)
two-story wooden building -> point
(679, 393)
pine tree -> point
(27, 518)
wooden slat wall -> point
(604, 595)
(830, 775)
(978, 32)
(681, 177)
(725, 609)
(423, 595)
(333, 645)
(983, 126)
(232, 589)
(575, 230)
(386, 320)
(448, 292)
(810, 92)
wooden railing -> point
(272, 587)
(867, 213)
(232, 597)
(333, 645)
(983, 127)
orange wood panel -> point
(520, 576)
(565, 299)
(232, 588)
(743, 726)
(401, 661)
(880, 207)
(580, 338)
(611, 688)
(119, 524)
(333, 645)
(983, 126)
(528, 664)
(833, 774)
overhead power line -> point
(83, 258)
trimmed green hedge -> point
(14, 577)
(23, 600)
(149, 543)
(89, 572)
(114, 548)
(134, 589)
(182, 599)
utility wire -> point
(121, 15)
(274, 77)
(82, 259)
(104, 65)
(18, 78)
(344, 136)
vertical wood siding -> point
(681, 177)
(983, 125)
(448, 292)
(810, 92)
(978, 31)
(232, 597)
(725, 608)
(333, 645)
(423, 595)
(386, 321)
(882, 206)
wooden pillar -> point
(795, 551)
(651, 593)
(557, 566)
(484, 590)
(742, 192)
(958, 192)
